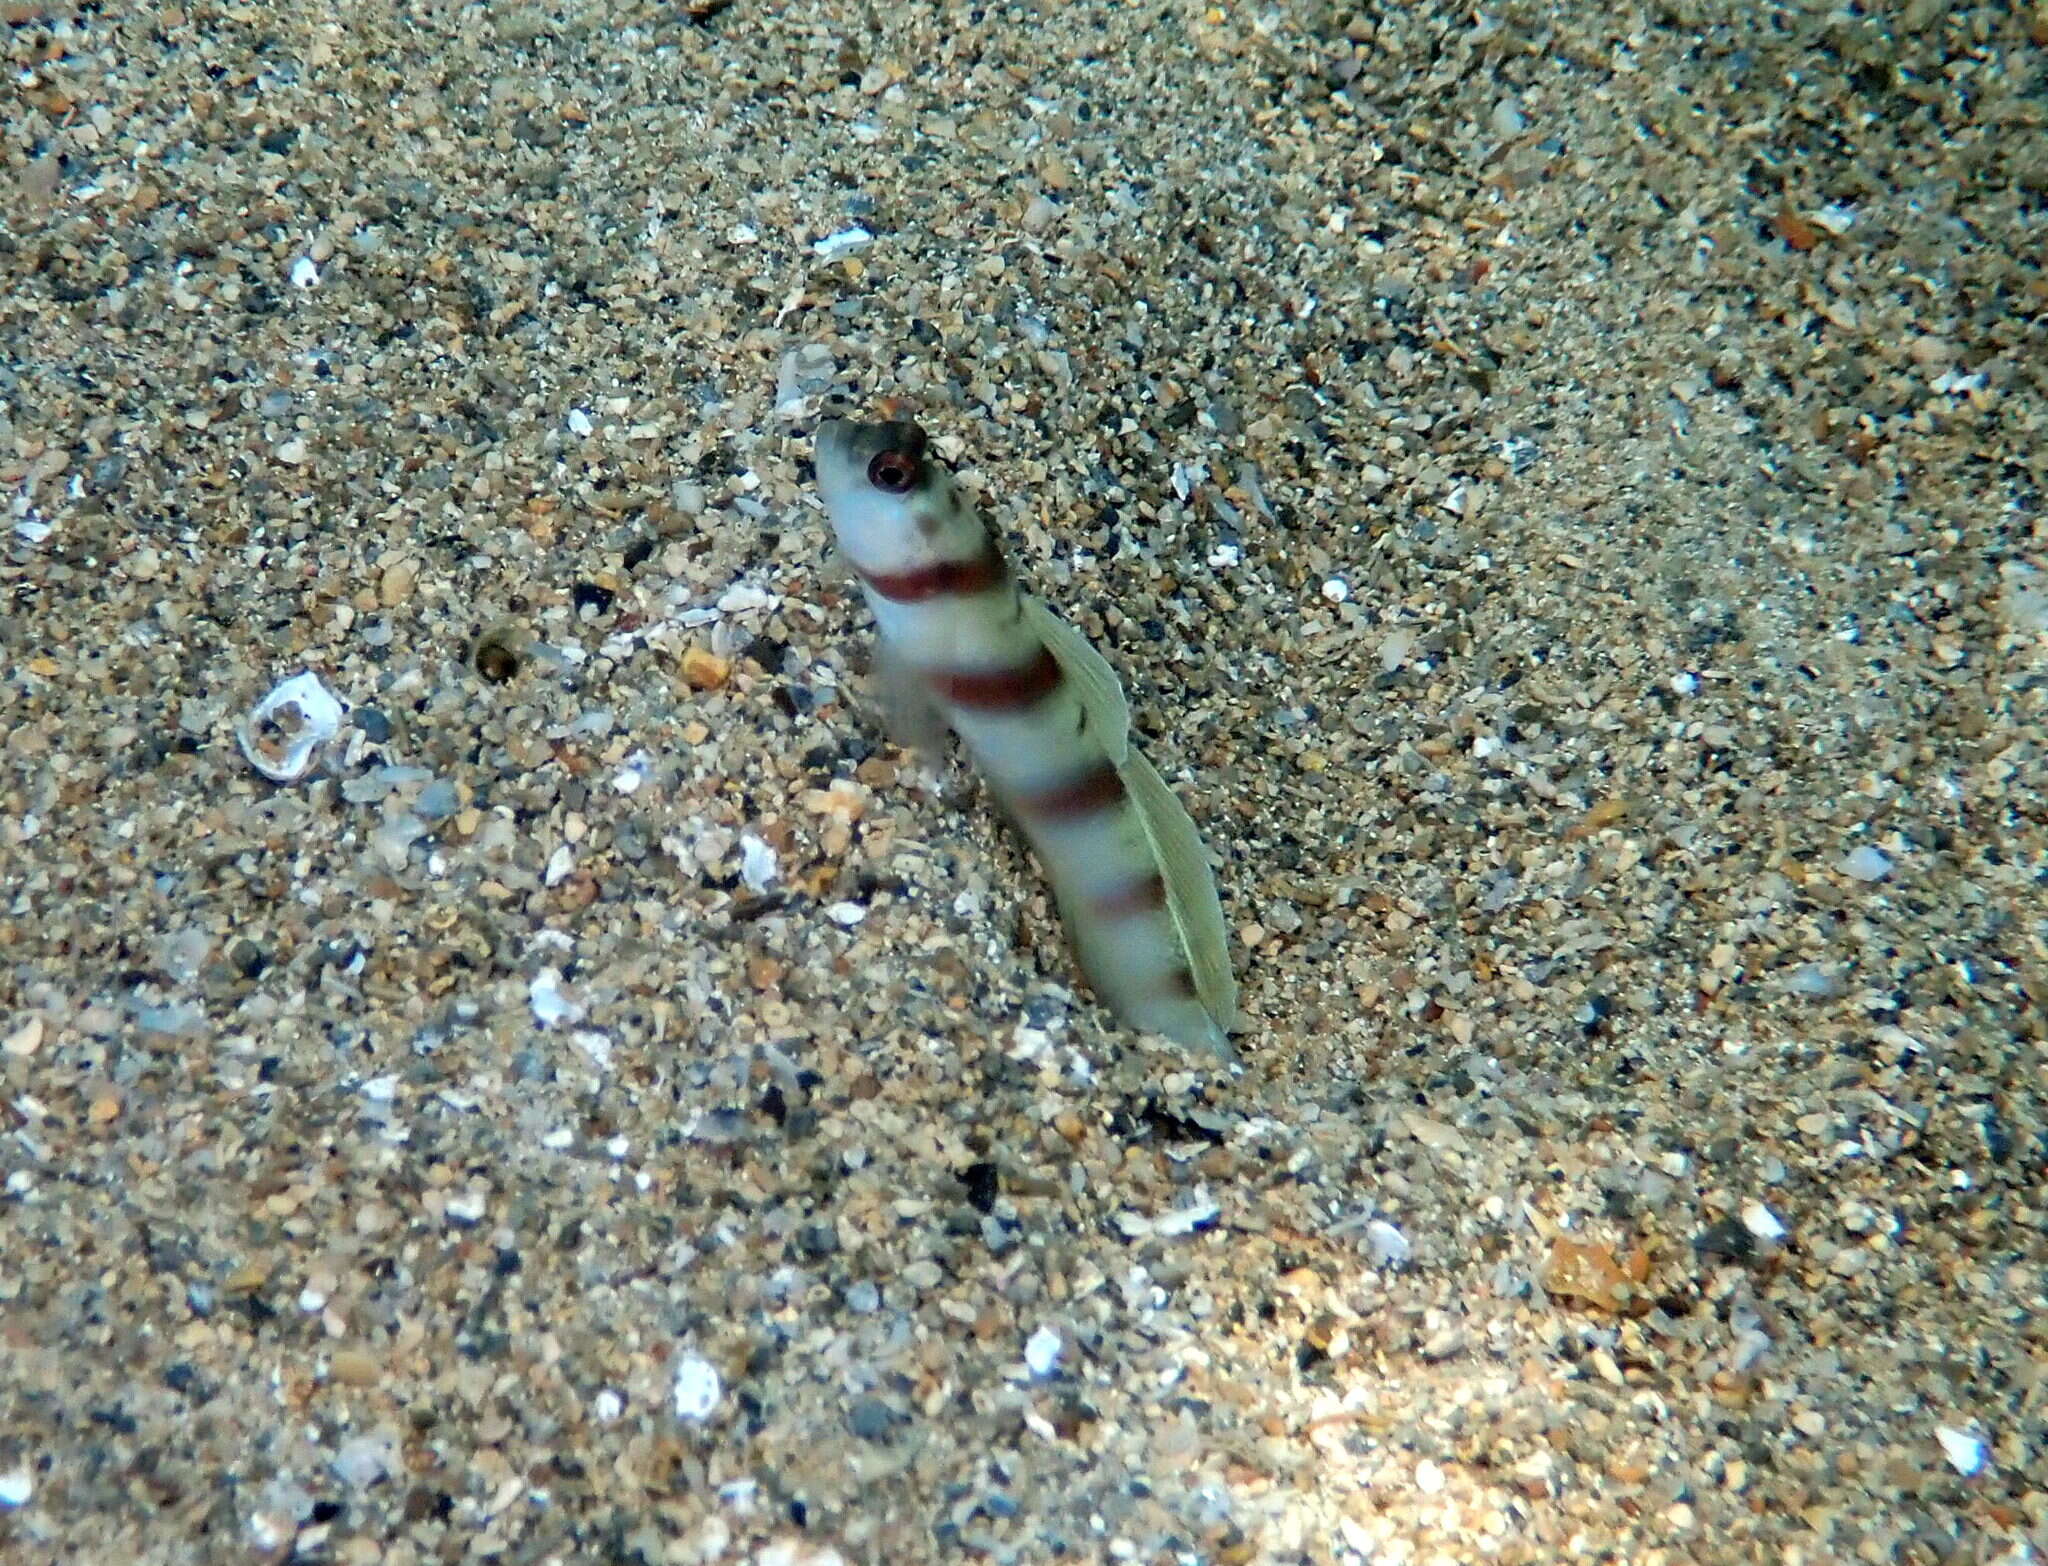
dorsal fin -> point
(1190, 887)
(1094, 681)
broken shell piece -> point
(283, 734)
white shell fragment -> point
(697, 1388)
(1867, 864)
(364, 1460)
(1202, 1211)
(843, 243)
(550, 1005)
(1762, 1223)
(284, 734)
(757, 863)
(1042, 1351)
(628, 778)
(1389, 1246)
(1396, 649)
(1965, 1452)
(745, 598)
(804, 376)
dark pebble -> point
(1726, 1238)
(982, 1181)
(871, 1419)
(818, 1239)
(590, 598)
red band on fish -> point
(1147, 894)
(1096, 789)
(1001, 690)
(940, 579)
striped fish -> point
(1045, 721)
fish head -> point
(884, 489)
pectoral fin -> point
(909, 712)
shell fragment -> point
(284, 733)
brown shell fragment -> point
(1592, 1274)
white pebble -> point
(697, 1388)
(847, 914)
(579, 422)
(843, 243)
(550, 1005)
(1813, 980)
(1042, 1351)
(757, 863)
(1762, 1223)
(1867, 864)
(16, 1487)
(1685, 683)
(1389, 1246)
(1336, 590)
(269, 1533)
(1429, 1478)
(1201, 1211)
(305, 274)
(607, 1406)
(1965, 1451)
(1395, 649)
(364, 1460)
(1225, 555)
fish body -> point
(1045, 722)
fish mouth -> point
(835, 460)
(833, 436)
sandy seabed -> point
(1564, 486)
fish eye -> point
(895, 472)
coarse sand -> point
(1564, 488)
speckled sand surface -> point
(1567, 497)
